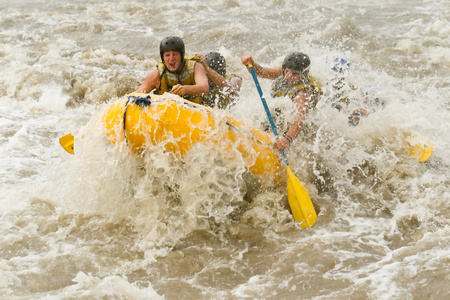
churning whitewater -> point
(107, 223)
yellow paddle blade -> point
(301, 205)
(420, 147)
(67, 142)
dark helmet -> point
(297, 61)
(217, 62)
(171, 43)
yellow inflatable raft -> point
(142, 120)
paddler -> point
(291, 79)
(223, 89)
(341, 91)
(175, 74)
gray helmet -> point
(296, 61)
(217, 62)
(171, 43)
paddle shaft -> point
(301, 206)
(266, 108)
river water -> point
(104, 224)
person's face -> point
(172, 59)
(292, 77)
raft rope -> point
(142, 102)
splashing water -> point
(106, 223)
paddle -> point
(301, 205)
(67, 142)
(420, 147)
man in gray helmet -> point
(175, 74)
(291, 79)
(223, 89)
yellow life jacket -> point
(280, 88)
(186, 77)
(218, 96)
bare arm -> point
(201, 86)
(302, 102)
(260, 71)
(151, 82)
(233, 84)
(215, 77)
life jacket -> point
(280, 88)
(218, 96)
(169, 79)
